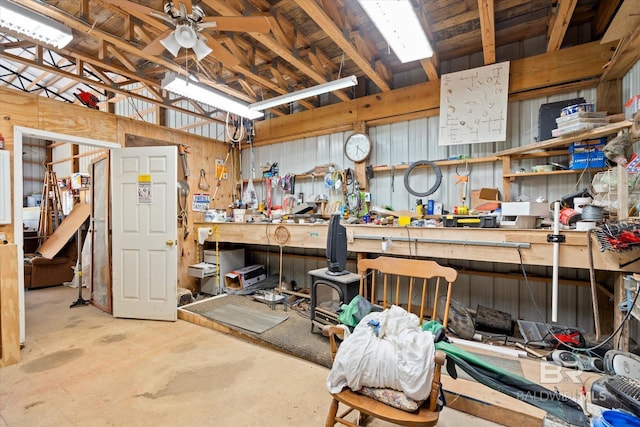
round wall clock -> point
(357, 147)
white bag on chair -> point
(387, 349)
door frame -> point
(20, 132)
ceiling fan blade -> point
(187, 5)
(220, 52)
(183, 11)
(163, 16)
(156, 47)
(249, 24)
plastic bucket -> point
(614, 418)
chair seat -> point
(422, 418)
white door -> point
(144, 232)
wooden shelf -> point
(441, 163)
(551, 148)
(558, 172)
(403, 166)
(540, 154)
(565, 140)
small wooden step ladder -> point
(51, 214)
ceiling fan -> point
(188, 22)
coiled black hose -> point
(435, 186)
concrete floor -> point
(82, 367)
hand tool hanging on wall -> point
(183, 192)
(393, 179)
(183, 150)
(234, 130)
(463, 178)
(222, 172)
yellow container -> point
(404, 221)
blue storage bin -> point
(614, 418)
(590, 160)
(587, 154)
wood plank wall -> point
(9, 317)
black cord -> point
(409, 241)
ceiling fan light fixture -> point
(305, 93)
(201, 49)
(181, 85)
(400, 27)
(186, 36)
(171, 44)
(38, 27)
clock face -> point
(357, 147)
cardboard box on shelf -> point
(485, 199)
(243, 277)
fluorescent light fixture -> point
(397, 22)
(305, 93)
(39, 27)
(181, 85)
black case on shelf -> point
(548, 113)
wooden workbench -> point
(475, 244)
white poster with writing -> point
(473, 105)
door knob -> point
(169, 243)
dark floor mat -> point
(293, 336)
(246, 318)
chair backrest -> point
(403, 280)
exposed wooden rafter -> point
(488, 30)
(559, 23)
(317, 13)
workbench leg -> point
(619, 293)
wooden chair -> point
(397, 274)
